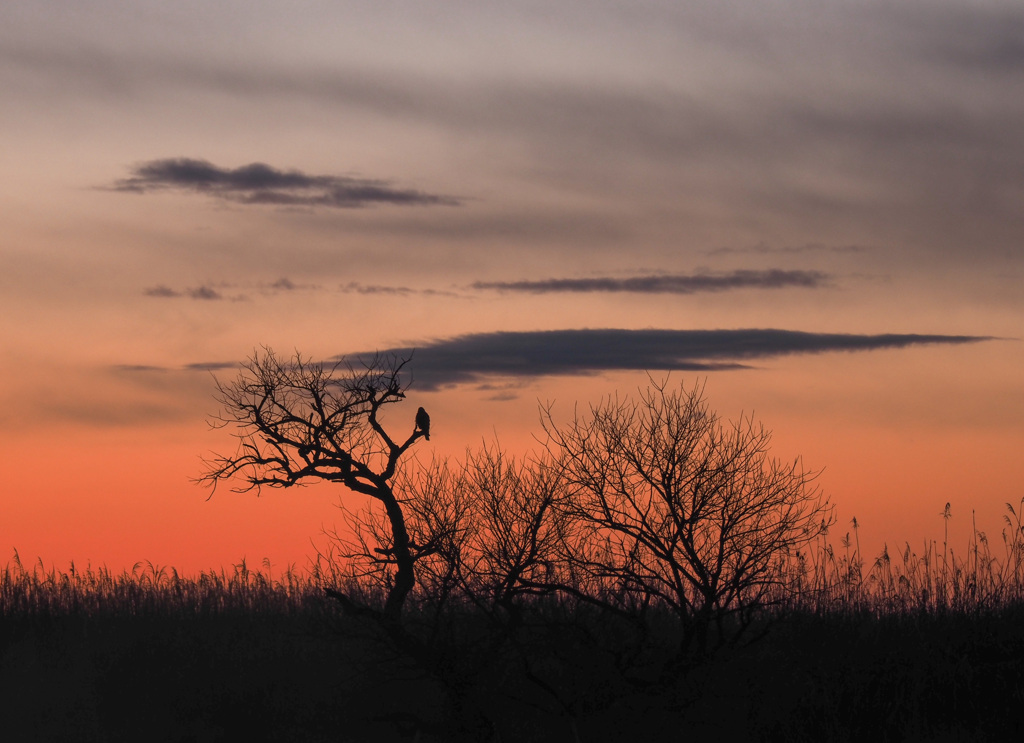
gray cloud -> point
(990, 43)
(204, 292)
(652, 284)
(258, 183)
(896, 124)
(207, 292)
(501, 363)
(210, 365)
(357, 288)
(668, 284)
(354, 287)
(871, 121)
(197, 366)
(161, 291)
(477, 358)
(766, 249)
(286, 284)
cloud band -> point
(469, 359)
(670, 284)
(258, 183)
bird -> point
(423, 423)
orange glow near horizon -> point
(184, 185)
(117, 497)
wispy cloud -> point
(766, 249)
(216, 291)
(162, 291)
(258, 183)
(138, 368)
(991, 43)
(200, 366)
(287, 285)
(210, 365)
(668, 284)
(204, 292)
(480, 357)
(354, 287)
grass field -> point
(919, 645)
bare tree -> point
(437, 505)
(673, 507)
(641, 510)
(512, 549)
(298, 421)
(484, 530)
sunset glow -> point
(815, 211)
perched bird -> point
(423, 423)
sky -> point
(815, 209)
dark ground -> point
(323, 678)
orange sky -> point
(641, 166)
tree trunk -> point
(405, 577)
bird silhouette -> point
(423, 423)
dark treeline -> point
(651, 570)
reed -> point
(932, 578)
(827, 578)
(150, 590)
(917, 643)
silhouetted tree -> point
(495, 522)
(641, 509)
(644, 504)
(486, 533)
(672, 507)
(298, 421)
(488, 530)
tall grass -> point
(933, 578)
(914, 644)
(150, 590)
(827, 578)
